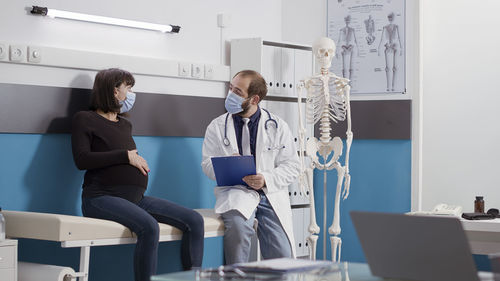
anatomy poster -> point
(370, 40)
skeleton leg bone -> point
(313, 226)
(336, 243)
(334, 229)
(313, 242)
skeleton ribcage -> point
(319, 103)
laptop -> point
(428, 248)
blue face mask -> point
(233, 103)
(127, 103)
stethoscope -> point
(269, 119)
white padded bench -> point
(76, 231)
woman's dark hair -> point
(103, 92)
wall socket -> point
(197, 70)
(17, 53)
(184, 69)
(3, 51)
(209, 71)
(34, 54)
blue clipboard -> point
(230, 170)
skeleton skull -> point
(324, 50)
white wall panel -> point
(200, 40)
(460, 134)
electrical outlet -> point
(17, 52)
(3, 51)
(197, 70)
(184, 69)
(209, 71)
(34, 54)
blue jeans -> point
(238, 233)
(142, 219)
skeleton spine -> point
(324, 126)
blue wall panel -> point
(380, 181)
(37, 174)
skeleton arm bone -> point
(349, 135)
(302, 181)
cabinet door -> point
(8, 274)
(7, 257)
(288, 72)
(298, 230)
(267, 70)
(271, 69)
(278, 77)
(293, 193)
(307, 219)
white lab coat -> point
(276, 159)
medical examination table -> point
(82, 232)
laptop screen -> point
(415, 247)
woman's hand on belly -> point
(137, 161)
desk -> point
(348, 271)
(483, 235)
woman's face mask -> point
(127, 103)
(234, 103)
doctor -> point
(247, 129)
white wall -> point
(303, 21)
(198, 41)
(460, 133)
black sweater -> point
(101, 146)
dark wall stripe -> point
(43, 109)
(381, 119)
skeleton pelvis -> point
(314, 147)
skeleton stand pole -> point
(324, 211)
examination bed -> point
(76, 231)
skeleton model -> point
(347, 41)
(390, 33)
(370, 29)
(327, 99)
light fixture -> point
(44, 11)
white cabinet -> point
(282, 65)
(8, 260)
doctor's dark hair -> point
(258, 85)
(103, 92)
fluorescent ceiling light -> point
(44, 11)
